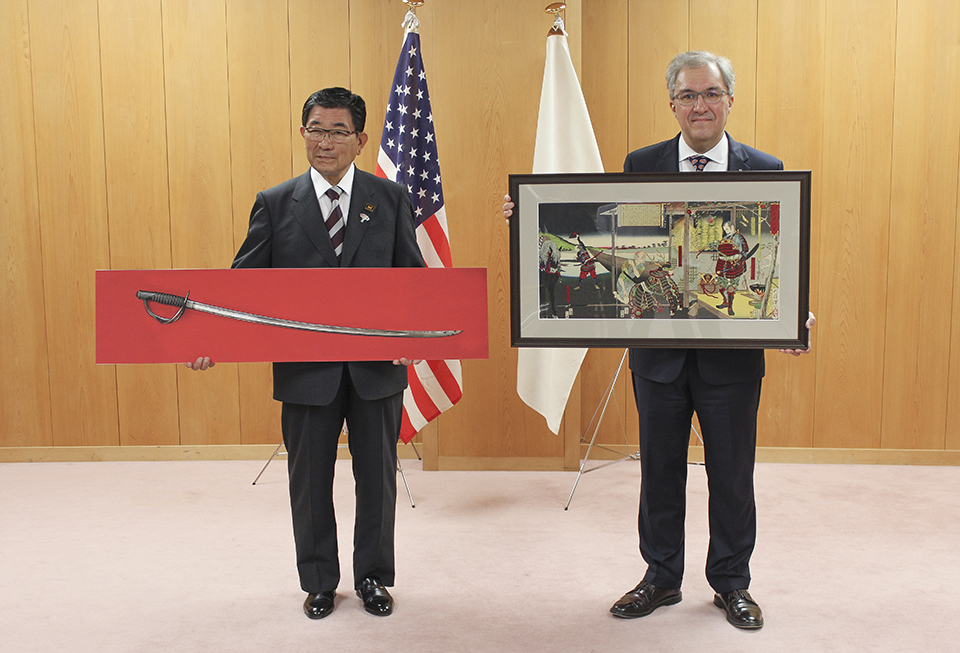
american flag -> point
(408, 155)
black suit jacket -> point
(287, 231)
(716, 366)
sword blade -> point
(185, 302)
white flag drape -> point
(565, 143)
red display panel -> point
(394, 299)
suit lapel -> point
(736, 157)
(306, 211)
(670, 157)
(363, 211)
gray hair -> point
(699, 59)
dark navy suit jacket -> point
(287, 231)
(716, 366)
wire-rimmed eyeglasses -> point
(335, 135)
(710, 96)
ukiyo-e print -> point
(712, 260)
(659, 260)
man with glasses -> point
(721, 385)
(335, 215)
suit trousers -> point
(311, 434)
(728, 418)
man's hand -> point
(507, 208)
(201, 363)
(405, 361)
(796, 352)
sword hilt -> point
(163, 298)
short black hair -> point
(337, 98)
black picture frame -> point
(668, 251)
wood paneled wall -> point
(135, 134)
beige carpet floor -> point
(190, 556)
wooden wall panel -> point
(319, 58)
(65, 59)
(145, 147)
(790, 117)
(24, 385)
(658, 31)
(922, 224)
(263, 122)
(856, 156)
(729, 27)
(199, 172)
(605, 87)
(952, 439)
(131, 55)
(375, 39)
(486, 100)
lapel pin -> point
(364, 217)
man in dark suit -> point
(721, 385)
(335, 215)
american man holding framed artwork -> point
(721, 385)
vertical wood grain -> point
(199, 173)
(486, 101)
(262, 124)
(320, 48)
(137, 134)
(856, 156)
(658, 31)
(790, 117)
(24, 384)
(729, 28)
(923, 225)
(131, 59)
(606, 58)
(65, 58)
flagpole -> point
(408, 155)
(565, 143)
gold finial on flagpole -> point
(410, 22)
(556, 9)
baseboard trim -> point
(471, 463)
(494, 464)
(159, 453)
(808, 455)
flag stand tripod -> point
(602, 409)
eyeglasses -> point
(335, 135)
(711, 96)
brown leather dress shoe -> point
(318, 606)
(376, 599)
(742, 611)
(644, 599)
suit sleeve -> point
(255, 252)
(406, 252)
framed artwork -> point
(683, 260)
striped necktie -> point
(699, 162)
(334, 221)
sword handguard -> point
(163, 298)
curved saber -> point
(185, 302)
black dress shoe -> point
(376, 598)
(318, 606)
(742, 611)
(644, 599)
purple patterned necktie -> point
(334, 221)
(699, 162)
